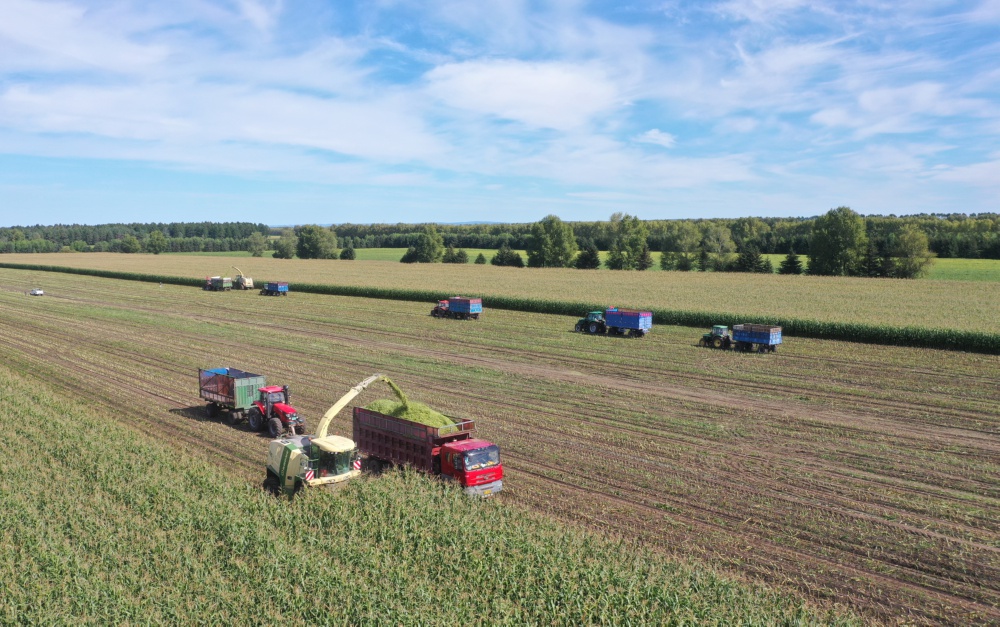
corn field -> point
(941, 314)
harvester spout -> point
(238, 271)
(324, 423)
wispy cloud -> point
(602, 105)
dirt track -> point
(861, 474)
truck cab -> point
(475, 464)
(593, 323)
(273, 411)
(305, 460)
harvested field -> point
(857, 473)
(965, 306)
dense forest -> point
(949, 235)
(179, 236)
(953, 235)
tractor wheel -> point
(272, 484)
(255, 419)
(274, 428)
(299, 430)
(593, 328)
(212, 410)
(578, 327)
(717, 342)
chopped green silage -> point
(403, 408)
(417, 412)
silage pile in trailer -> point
(409, 410)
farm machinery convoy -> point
(449, 451)
(296, 460)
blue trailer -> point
(762, 338)
(459, 307)
(615, 321)
(275, 288)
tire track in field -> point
(448, 357)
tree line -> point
(841, 242)
(970, 236)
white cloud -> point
(262, 15)
(62, 35)
(658, 137)
(546, 95)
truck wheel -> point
(274, 428)
(593, 328)
(255, 419)
(212, 410)
(235, 417)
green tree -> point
(837, 243)
(551, 244)
(749, 232)
(461, 256)
(791, 264)
(718, 243)
(130, 244)
(449, 255)
(429, 247)
(156, 243)
(750, 260)
(348, 254)
(79, 246)
(256, 244)
(285, 246)
(704, 260)
(910, 253)
(316, 242)
(481, 259)
(630, 234)
(589, 257)
(507, 257)
(645, 261)
(668, 260)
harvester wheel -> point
(274, 428)
(717, 342)
(255, 419)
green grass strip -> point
(920, 337)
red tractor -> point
(272, 410)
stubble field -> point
(856, 473)
(960, 305)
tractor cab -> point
(593, 323)
(273, 403)
(718, 337)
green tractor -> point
(594, 323)
(718, 338)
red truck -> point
(452, 451)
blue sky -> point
(307, 111)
